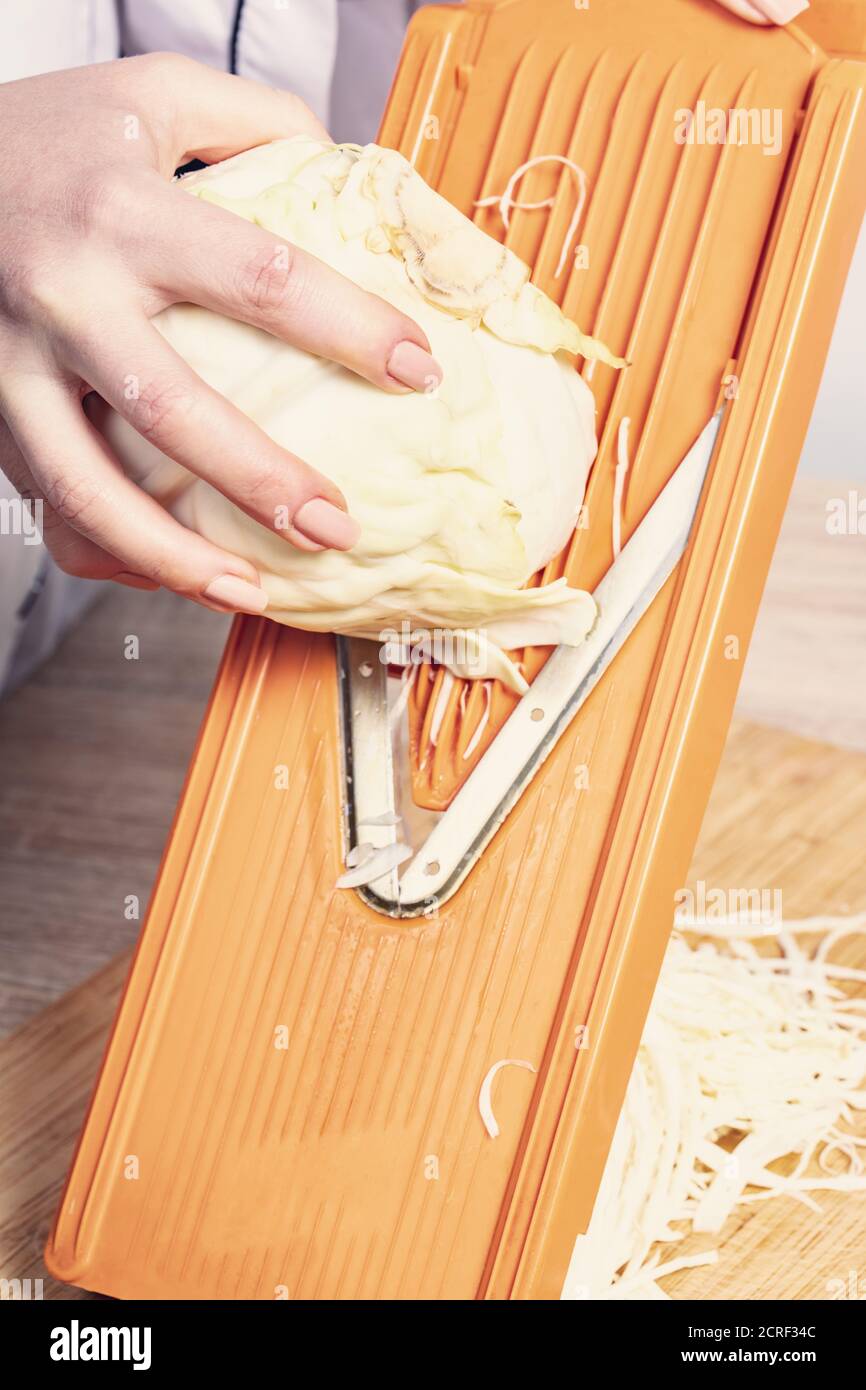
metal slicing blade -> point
(461, 833)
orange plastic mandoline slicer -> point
(297, 1069)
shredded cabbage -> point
(485, 1095)
(746, 1059)
(506, 201)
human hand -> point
(766, 11)
(96, 242)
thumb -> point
(216, 114)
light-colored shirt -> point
(339, 55)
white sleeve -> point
(42, 36)
(289, 44)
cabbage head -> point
(461, 494)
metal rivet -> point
(365, 669)
(432, 866)
(536, 715)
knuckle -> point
(171, 64)
(266, 489)
(28, 288)
(74, 500)
(161, 67)
(269, 282)
(161, 411)
(53, 526)
(163, 570)
(163, 82)
(104, 200)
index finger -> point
(212, 257)
(135, 370)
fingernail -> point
(135, 581)
(782, 11)
(236, 594)
(321, 521)
(412, 366)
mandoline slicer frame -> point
(295, 1075)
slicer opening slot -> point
(446, 845)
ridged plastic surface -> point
(672, 233)
(289, 1103)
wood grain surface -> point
(93, 752)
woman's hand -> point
(95, 243)
(766, 11)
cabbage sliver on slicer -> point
(306, 1076)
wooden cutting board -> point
(785, 813)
